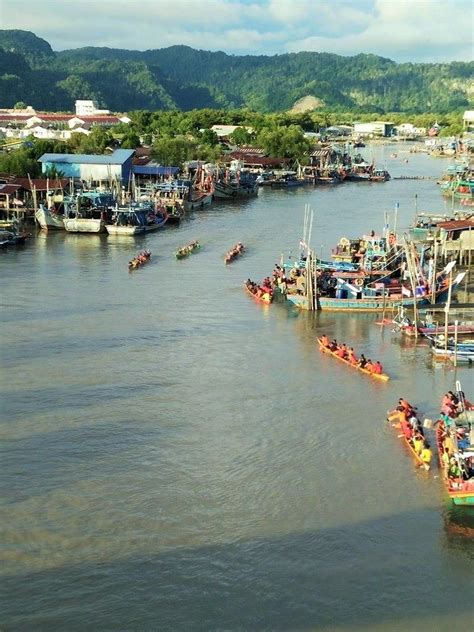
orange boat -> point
(379, 376)
(265, 298)
(396, 417)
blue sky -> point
(403, 30)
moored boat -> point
(50, 218)
(458, 476)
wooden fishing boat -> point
(187, 250)
(395, 418)
(378, 376)
(139, 260)
(459, 490)
(264, 298)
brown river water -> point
(175, 456)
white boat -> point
(84, 225)
(49, 220)
(136, 219)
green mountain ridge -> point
(182, 78)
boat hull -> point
(124, 230)
(375, 304)
(260, 299)
(84, 225)
(198, 202)
(48, 220)
(227, 192)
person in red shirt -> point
(378, 368)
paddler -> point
(426, 456)
(325, 340)
(378, 368)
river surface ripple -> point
(175, 456)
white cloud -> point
(404, 30)
(415, 30)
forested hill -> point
(182, 78)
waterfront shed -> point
(91, 168)
(375, 128)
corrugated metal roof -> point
(8, 189)
(153, 170)
(457, 224)
(117, 158)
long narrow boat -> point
(459, 490)
(379, 376)
(265, 298)
(139, 260)
(234, 252)
(395, 418)
(187, 250)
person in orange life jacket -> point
(324, 340)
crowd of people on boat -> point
(455, 441)
(343, 351)
(142, 257)
(263, 291)
(412, 430)
(188, 248)
(234, 252)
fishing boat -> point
(462, 351)
(50, 218)
(88, 212)
(378, 376)
(139, 260)
(395, 418)
(259, 293)
(197, 199)
(235, 184)
(379, 175)
(187, 250)
(458, 488)
(12, 238)
(427, 327)
(234, 252)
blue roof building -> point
(90, 167)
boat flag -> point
(406, 291)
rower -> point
(351, 356)
(378, 368)
(324, 340)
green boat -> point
(188, 249)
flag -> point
(405, 291)
(460, 276)
(448, 267)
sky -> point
(402, 30)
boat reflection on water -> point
(459, 526)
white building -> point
(88, 108)
(468, 121)
(376, 128)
